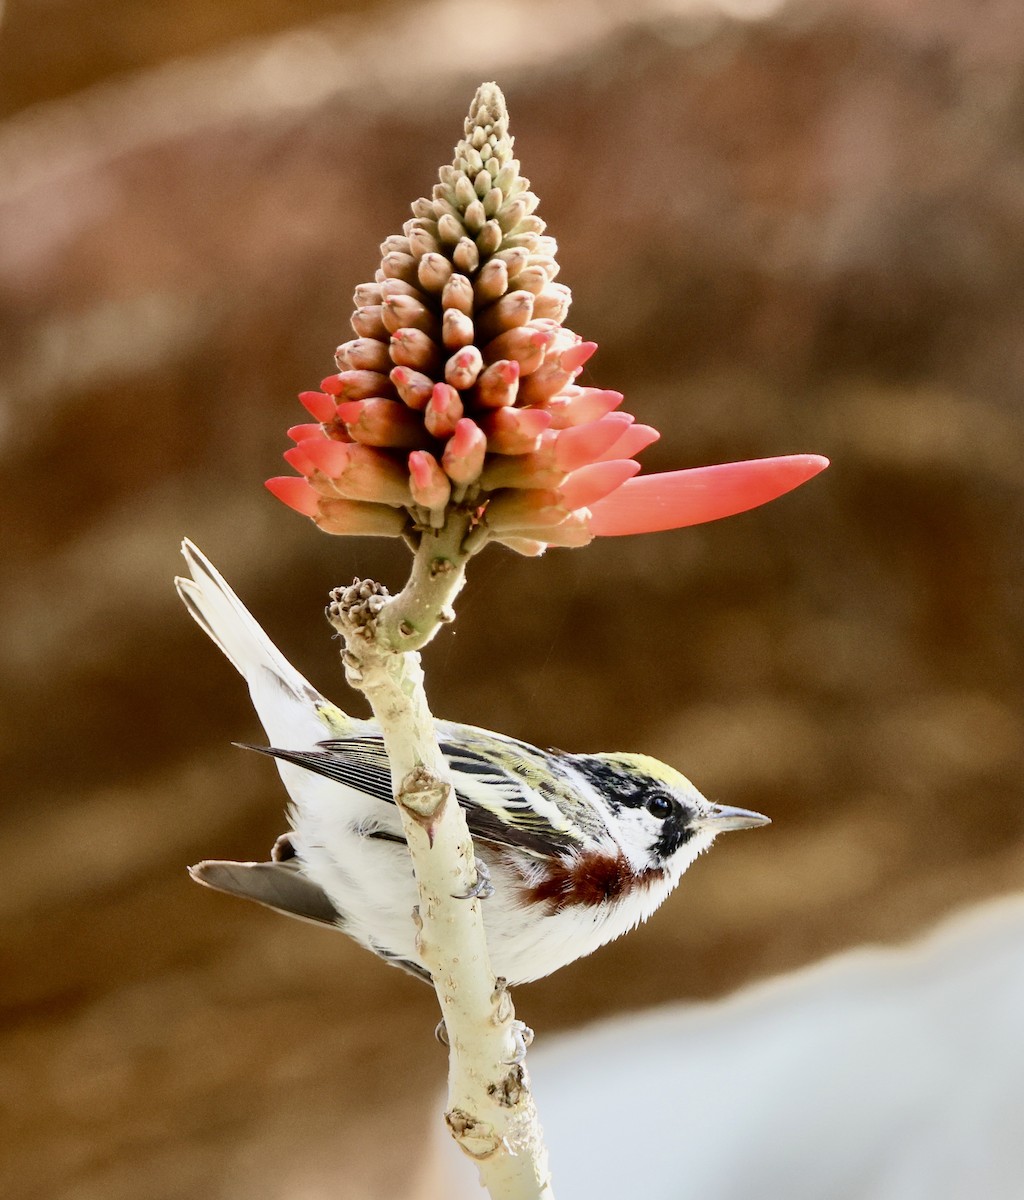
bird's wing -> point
(513, 798)
(360, 763)
(509, 798)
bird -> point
(573, 850)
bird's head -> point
(661, 820)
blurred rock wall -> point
(789, 227)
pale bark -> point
(490, 1113)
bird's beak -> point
(724, 817)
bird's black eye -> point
(659, 806)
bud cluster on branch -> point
(460, 389)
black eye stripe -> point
(673, 835)
(623, 789)
(618, 786)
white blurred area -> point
(893, 1074)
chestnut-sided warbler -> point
(577, 849)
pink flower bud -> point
(434, 271)
(414, 388)
(466, 256)
(456, 329)
(498, 384)
(582, 444)
(553, 302)
(514, 430)
(463, 457)
(530, 279)
(536, 470)
(515, 260)
(368, 321)
(362, 354)
(429, 485)
(449, 229)
(592, 483)
(489, 238)
(356, 385)
(526, 345)
(412, 348)
(423, 243)
(559, 453)
(398, 287)
(318, 404)
(397, 243)
(475, 216)
(518, 509)
(574, 358)
(330, 458)
(579, 406)
(367, 294)
(512, 212)
(296, 457)
(404, 312)
(443, 412)
(381, 422)
(353, 517)
(464, 367)
(634, 439)
(491, 282)
(546, 382)
(357, 472)
(510, 312)
(294, 492)
(565, 339)
(458, 294)
(396, 265)
(299, 433)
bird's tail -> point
(230, 625)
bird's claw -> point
(522, 1039)
(482, 889)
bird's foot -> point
(483, 888)
(522, 1040)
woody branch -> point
(491, 1113)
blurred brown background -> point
(790, 228)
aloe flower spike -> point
(462, 356)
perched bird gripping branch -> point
(574, 850)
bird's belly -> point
(376, 905)
(522, 949)
(371, 884)
(529, 944)
(369, 880)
